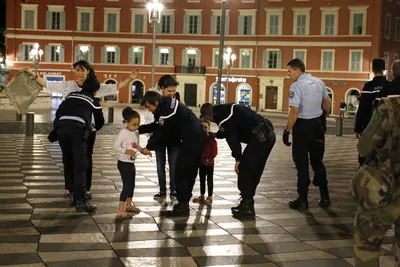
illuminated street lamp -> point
(229, 59)
(36, 55)
(154, 8)
(221, 50)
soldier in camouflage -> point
(378, 191)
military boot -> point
(245, 208)
(180, 209)
(83, 205)
(299, 204)
(325, 201)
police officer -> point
(306, 96)
(392, 88)
(174, 120)
(368, 95)
(239, 124)
(73, 119)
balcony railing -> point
(190, 69)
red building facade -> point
(336, 39)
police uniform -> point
(174, 121)
(375, 186)
(239, 124)
(390, 88)
(73, 118)
(369, 94)
(307, 94)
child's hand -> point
(130, 153)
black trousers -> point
(89, 172)
(309, 146)
(128, 174)
(252, 164)
(74, 153)
(187, 164)
(206, 171)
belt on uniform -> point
(262, 130)
(72, 118)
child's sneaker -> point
(208, 201)
(199, 199)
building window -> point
(29, 19)
(84, 52)
(301, 24)
(139, 22)
(165, 24)
(300, 54)
(329, 20)
(358, 20)
(191, 59)
(386, 58)
(245, 58)
(245, 25)
(25, 50)
(111, 22)
(55, 54)
(301, 21)
(388, 25)
(138, 55)
(272, 59)
(273, 25)
(216, 22)
(29, 16)
(355, 60)
(329, 24)
(85, 21)
(193, 20)
(164, 57)
(218, 29)
(328, 60)
(55, 20)
(397, 36)
(111, 55)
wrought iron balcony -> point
(190, 69)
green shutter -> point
(186, 24)
(240, 25)
(198, 57)
(227, 22)
(62, 21)
(62, 54)
(91, 54)
(103, 55)
(199, 24)
(47, 53)
(157, 54)
(77, 53)
(117, 55)
(21, 52)
(213, 29)
(184, 58)
(48, 20)
(265, 59)
(250, 25)
(279, 64)
(171, 57)
(172, 30)
(131, 56)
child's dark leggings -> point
(209, 172)
(128, 172)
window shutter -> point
(48, 20)
(47, 53)
(199, 24)
(103, 55)
(21, 52)
(279, 64)
(131, 56)
(157, 53)
(265, 59)
(62, 21)
(117, 55)
(250, 22)
(172, 30)
(186, 24)
(227, 21)
(171, 57)
(158, 27)
(77, 53)
(29, 22)
(184, 58)
(62, 54)
(91, 54)
(139, 19)
(198, 57)
(213, 29)
(240, 25)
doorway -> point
(271, 97)
(137, 89)
(190, 94)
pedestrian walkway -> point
(38, 228)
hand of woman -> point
(135, 74)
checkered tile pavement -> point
(38, 228)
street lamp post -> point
(154, 8)
(229, 59)
(221, 50)
(36, 55)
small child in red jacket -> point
(206, 168)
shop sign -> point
(232, 79)
(42, 73)
(336, 84)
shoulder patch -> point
(291, 94)
(222, 129)
(173, 103)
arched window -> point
(214, 94)
(113, 97)
(243, 94)
(352, 98)
(330, 94)
(137, 91)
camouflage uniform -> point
(380, 145)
